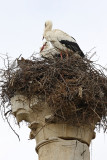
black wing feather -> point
(73, 46)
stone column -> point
(54, 141)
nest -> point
(75, 90)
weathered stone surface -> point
(29, 110)
(58, 149)
(84, 133)
(54, 141)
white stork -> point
(61, 40)
(47, 51)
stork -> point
(61, 40)
(47, 51)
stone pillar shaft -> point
(59, 149)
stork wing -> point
(68, 41)
(63, 36)
(71, 45)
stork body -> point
(61, 40)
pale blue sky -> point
(21, 29)
(22, 22)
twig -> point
(12, 129)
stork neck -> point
(46, 34)
(47, 29)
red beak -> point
(42, 48)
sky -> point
(21, 30)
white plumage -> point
(61, 40)
(47, 51)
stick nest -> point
(75, 90)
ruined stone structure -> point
(54, 141)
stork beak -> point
(42, 48)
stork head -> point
(48, 24)
(48, 27)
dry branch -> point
(75, 90)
